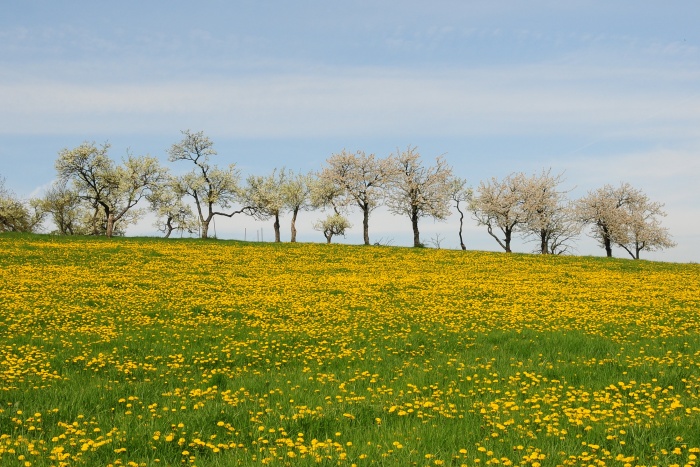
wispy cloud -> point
(516, 100)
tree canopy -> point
(94, 195)
(213, 190)
(417, 190)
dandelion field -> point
(150, 352)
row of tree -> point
(93, 195)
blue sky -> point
(603, 91)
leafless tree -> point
(382, 242)
(436, 240)
(460, 193)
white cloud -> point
(528, 100)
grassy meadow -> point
(148, 352)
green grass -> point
(341, 355)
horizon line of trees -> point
(94, 195)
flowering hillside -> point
(211, 353)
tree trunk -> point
(508, 236)
(461, 222)
(365, 225)
(607, 243)
(543, 242)
(608, 246)
(629, 252)
(416, 233)
(495, 237)
(276, 226)
(168, 227)
(205, 229)
(294, 227)
(110, 225)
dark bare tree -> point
(460, 193)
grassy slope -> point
(218, 353)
